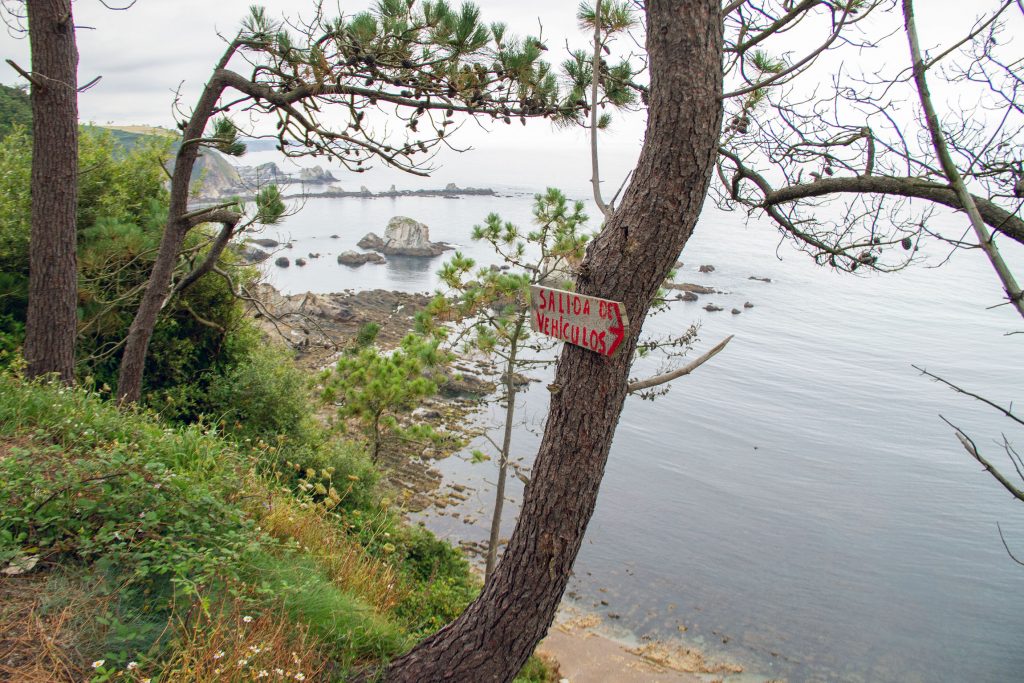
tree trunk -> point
(506, 446)
(133, 361)
(53, 265)
(631, 257)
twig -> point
(24, 74)
(1005, 411)
(969, 446)
(658, 380)
(1008, 551)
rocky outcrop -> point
(282, 262)
(251, 254)
(316, 176)
(707, 269)
(354, 258)
(690, 287)
(711, 308)
(404, 237)
(268, 243)
(371, 241)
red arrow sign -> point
(596, 324)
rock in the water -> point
(760, 279)
(688, 296)
(316, 175)
(252, 254)
(282, 262)
(748, 305)
(711, 308)
(404, 237)
(334, 237)
(707, 269)
(300, 261)
(465, 385)
(268, 243)
(690, 287)
(736, 311)
(354, 258)
(679, 264)
(371, 241)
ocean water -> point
(797, 504)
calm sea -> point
(797, 504)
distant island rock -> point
(404, 237)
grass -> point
(171, 553)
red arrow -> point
(619, 329)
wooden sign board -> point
(596, 324)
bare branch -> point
(658, 380)
(1005, 411)
(972, 450)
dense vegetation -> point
(15, 109)
(165, 546)
(219, 531)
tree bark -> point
(133, 361)
(53, 265)
(628, 261)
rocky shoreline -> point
(321, 326)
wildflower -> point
(263, 673)
(98, 663)
(218, 654)
(132, 666)
(247, 619)
(300, 676)
(147, 680)
(217, 670)
(242, 662)
(279, 672)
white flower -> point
(98, 663)
(279, 672)
(242, 662)
(219, 654)
(132, 666)
(247, 619)
(300, 676)
(263, 673)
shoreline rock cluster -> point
(403, 237)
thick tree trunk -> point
(628, 261)
(133, 361)
(53, 264)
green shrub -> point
(335, 463)
(262, 396)
(117, 492)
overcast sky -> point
(147, 51)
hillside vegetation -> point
(140, 550)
